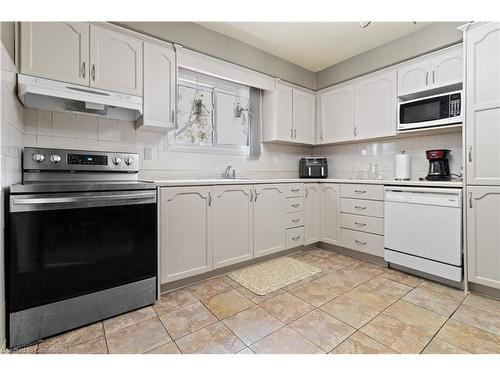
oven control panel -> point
(48, 159)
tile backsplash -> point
(344, 161)
(160, 159)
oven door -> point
(66, 245)
(426, 112)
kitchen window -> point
(214, 113)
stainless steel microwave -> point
(436, 110)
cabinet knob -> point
(92, 72)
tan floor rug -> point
(266, 277)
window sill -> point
(210, 149)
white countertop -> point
(252, 181)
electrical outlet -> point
(148, 153)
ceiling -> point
(314, 45)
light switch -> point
(148, 153)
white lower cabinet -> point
(269, 219)
(483, 235)
(330, 213)
(185, 232)
(232, 224)
(312, 201)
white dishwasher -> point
(423, 230)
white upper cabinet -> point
(159, 87)
(375, 114)
(232, 224)
(312, 204)
(330, 213)
(185, 232)
(482, 125)
(433, 71)
(289, 115)
(269, 219)
(483, 236)
(304, 117)
(115, 61)
(55, 50)
(337, 114)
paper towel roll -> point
(402, 168)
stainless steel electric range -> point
(81, 242)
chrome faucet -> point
(228, 174)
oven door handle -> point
(34, 203)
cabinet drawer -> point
(362, 223)
(362, 191)
(294, 205)
(294, 237)
(295, 219)
(294, 190)
(362, 207)
(364, 242)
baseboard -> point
(354, 253)
(171, 286)
(485, 290)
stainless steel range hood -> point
(58, 96)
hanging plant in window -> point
(197, 127)
(239, 113)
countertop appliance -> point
(81, 242)
(439, 169)
(423, 230)
(436, 110)
(313, 168)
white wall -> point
(71, 131)
(345, 160)
(11, 136)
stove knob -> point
(129, 161)
(117, 161)
(55, 158)
(38, 158)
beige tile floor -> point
(350, 307)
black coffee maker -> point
(439, 169)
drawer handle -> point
(360, 224)
(360, 191)
(360, 207)
(295, 220)
(360, 242)
(295, 205)
(295, 190)
(295, 238)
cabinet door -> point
(185, 232)
(447, 67)
(376, 106)
(330, 213)
(283, 120)
(414, 76)
(159, 86)
(55, 50)
(304, 117)
(483, 236)
(312, 201)
(233, 225)
(482, 123)
(337, 114)
(268, 220)
(115, 61)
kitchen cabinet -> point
(330, 213)
(185, 232)
(483, 236)
(482, 125)
(289, 115)
(312, 205)
(337, 114)
(232, 224)
(55, 50)
(304, 117)
(159, 88)
(115, 61)
(432, 71)
(269, 219)
(375, 105)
